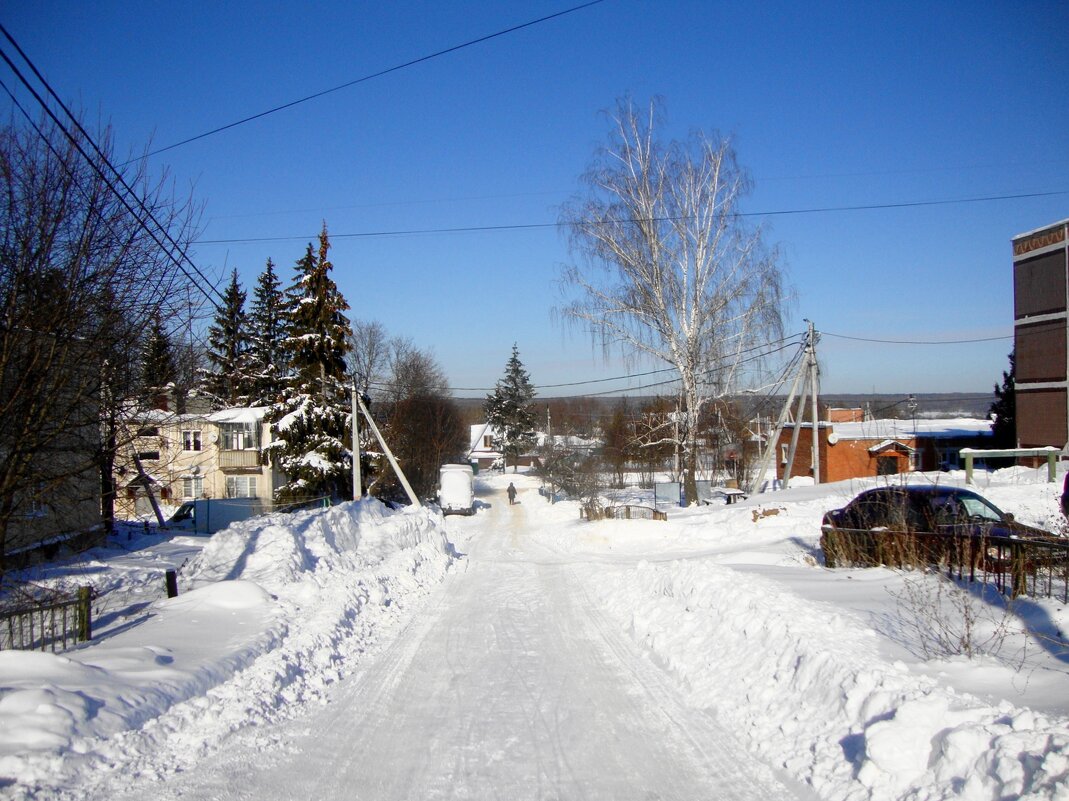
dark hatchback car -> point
(919, 510)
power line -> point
(917, 341)
(374, 75)
(762, 350)
(473, 229)
(122, 197)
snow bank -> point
(271, 612)
(805, 680)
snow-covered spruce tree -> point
(510, 412)
(267, 359)
(1003, 411)
(229, 381)
(159, 366)
(310, 426)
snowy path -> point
(513, 686)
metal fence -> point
(50, 625)
(1035, 567)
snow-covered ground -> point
(822, 677)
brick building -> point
(860, 449)
(1040, 328)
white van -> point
(456, 489)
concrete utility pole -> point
(389, 455)
(358, 486)
(809, 388)
(807, 372)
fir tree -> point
(311, 425)
(229, 382)
(159, 368)
(510, 412)
(267, 361)
(1003, 412)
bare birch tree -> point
(670, 270)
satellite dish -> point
(195, 469)
(213, 438)
(833, 438)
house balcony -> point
(239, 460)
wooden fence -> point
(627, 512)
(52, 625)
(1035, 567)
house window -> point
(148, 431)
(149, 456)
(192, 486)
(488, 442)
(241, 486)
(238, 436)
(887, 465)
(190, 440)
(949, 459)
(783, 453)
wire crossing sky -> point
(894, 152)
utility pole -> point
(389, 455)
(814, 383)
(806, 371)
(358, 486)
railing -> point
(627, 512)
(233, 460)
(1035, 567)
(55, 624)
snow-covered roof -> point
(906, 429)
(239, 414)
(891, 445)
(478, 431)
(1039, 230)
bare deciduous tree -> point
(367, 359)
(81, 275)
(671, 271)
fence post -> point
(1018, 570)
(172, 583)
(85, 614)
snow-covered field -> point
(824, 675)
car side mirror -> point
(1009, 517)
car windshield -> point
(976, 506)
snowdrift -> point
(268, 613)
(805, 680)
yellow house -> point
(190, 456)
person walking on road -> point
(512, 493)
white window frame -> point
(242, 435)
(191, 439)
(192, 487)
(241, 487)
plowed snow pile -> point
(269, 613)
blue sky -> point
(828, 105)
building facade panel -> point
(1041, 351)
(1041, 334)
(1039, 285)
(1041, 418)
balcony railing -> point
(238, 460)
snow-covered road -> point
(511, 685)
